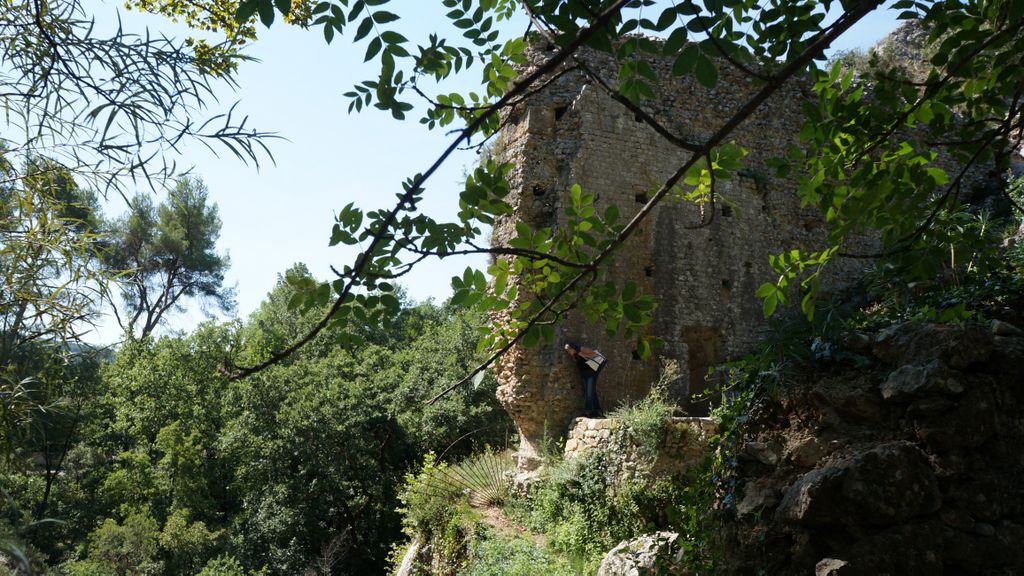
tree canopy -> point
(167, 253)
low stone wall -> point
(685, 442)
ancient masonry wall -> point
(704, 278)
(684, 445)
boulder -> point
(920, 343)
(648, 554)
(888, 484)
(762, 452)
(757, 495)
(1000, 328)
(914, 381)
(807, 452)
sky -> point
(282, 212)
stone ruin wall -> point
(683, 446)
(703, 279)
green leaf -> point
(266, 10)
(372, 49)
(770, 304)
(707, 73)
(766, 290)
(675, 42)
(392, 37)
(643, 349)
(532, 337)
(382, 17)
(611, 214)
(686, 60)
(246, 10)
(939, 176)
(364, 28)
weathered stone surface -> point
(856, 400)
(763, 452)
(968, 426)
(906, 550)
(684, 444)
(1006, 360)
(930, 406)
(885, 485)
(831, 567)
(912, 381)
(758, 495)
(641, 556)
(919, 343)
(1000, 328)
(929, 485)
(807, 451)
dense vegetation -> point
(153, 463)
(149, 459)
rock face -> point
(911, 467)
(885, 485)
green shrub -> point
(435, 508)
(517, 556)
(645, 420)
(585, 508)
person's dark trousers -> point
(591, 406)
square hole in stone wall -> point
(641, 198)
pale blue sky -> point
(283, 213)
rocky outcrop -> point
(909, 465)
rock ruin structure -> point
(703, 264)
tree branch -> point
(814, 49)
(363, 260)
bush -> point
(517, 556)
(435, 508)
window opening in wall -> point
(641, 198)
(649, 270)
(560, 111)
(704, 350)
(538, 190)
(726, 283)
(727, 211)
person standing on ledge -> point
(591, 362)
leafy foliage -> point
(871, 154)
(173, 469)
(111, 106)
(166, 254)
